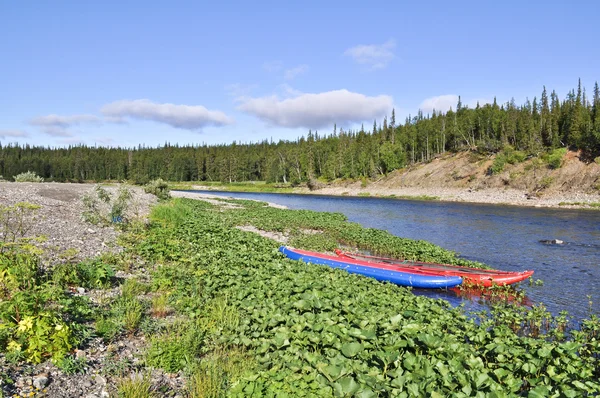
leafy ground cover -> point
(311, 331)
(226, 310)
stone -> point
(40, 382)
(80, 290)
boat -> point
(474, 276)
(424, 281)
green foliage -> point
(508, 155)
(133, 288)
(71, 365)
(91, 274)
(158, 188)
(15, 222)
(33, 321)
(29, 176)
(101, 208)
(315, 331)
(176, 349)
(555, 158)
(172, 213)
(347, 155)
(137, 385)
(217, 371)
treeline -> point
(533, 127)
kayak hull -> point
(355, 267)
(479, 277)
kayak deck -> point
(425, 281)
(482, 277)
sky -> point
(129, 73)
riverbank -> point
(505, 196)
(463, 177)
(197, 304)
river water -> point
(504, 237)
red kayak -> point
(480, 277)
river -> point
(504, 237)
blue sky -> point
(124, 73)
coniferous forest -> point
(534, 127)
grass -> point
(247, 186)
(595, 205)
(137, 385)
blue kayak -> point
(355, 267)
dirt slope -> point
(465, 177)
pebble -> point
(80, 290)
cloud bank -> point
(189, 117)
(13, 133)
(443, 103)
(58, 126)
(375, 56)
(318, 110)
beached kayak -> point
(480, 277)
(356, 267)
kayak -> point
(480, 277)
(425, 281)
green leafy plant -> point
(101, 208)
(16, 222)
(158, 188)
(555, 158)
(177, 348)
(29, 176)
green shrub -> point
(100, 208)
(158, 188)
(29, 176)
(498, 165)
(15, 222)
(555, 158)
(32, 311)
(91, 274)
(107, 328)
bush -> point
(158, 188)
(101, 208)
(555, 158)
(15, 222)
(498, 165)
(30, 176)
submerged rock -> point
(552, 241)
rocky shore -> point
(68, 238)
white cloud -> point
(13, 133)
(318, 110)
(294, 72)
(190, 117)
(58, 126)
(375, 56)
(443, 103)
